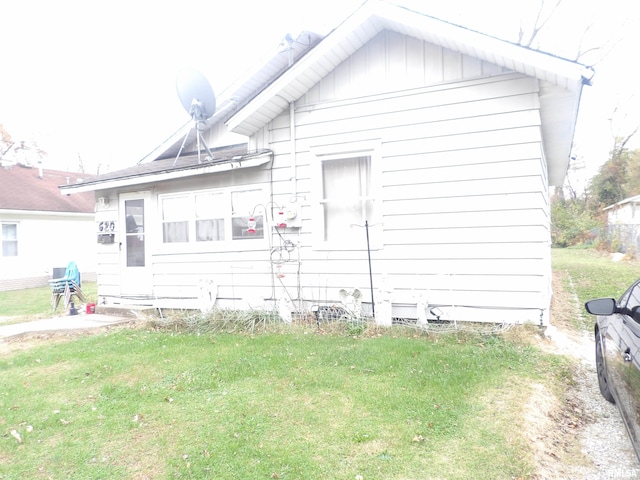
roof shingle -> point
(22, 188)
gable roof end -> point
(374, 16)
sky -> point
(95, 81)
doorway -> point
(135, 278)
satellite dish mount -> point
(198, 99)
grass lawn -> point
(293, 404)
(34, 303)
(299, 405)
(592, 274)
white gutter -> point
(165, 175)
(34, 213)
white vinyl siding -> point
(393, 62)
(463, 198)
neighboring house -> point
(625, 212)
(623, 225)
(42, 229)
(442, 140)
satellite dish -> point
(196, 94)
(198, 99)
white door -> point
(135, 278)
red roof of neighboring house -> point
(22, 188)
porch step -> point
(129, 311)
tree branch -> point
(539, 25)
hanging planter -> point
(251, 225)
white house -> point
(623, 225)
(399, 155)
(41, 229)
(625, 212)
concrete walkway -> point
(82, 321)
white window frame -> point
(3, 240)
(355, 238)
(192, 244)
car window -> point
(630, 299)
(625, 297)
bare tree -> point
(5, 141)
(6, 137)
(575, 171)
(29, 151)
(544, 14)
(622, 143)
(539, 23)
(19, 151)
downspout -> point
(266, 222)
(294, 190)
(294, 166)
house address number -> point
(106, 226)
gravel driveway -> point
(588, 425)
(601, 434)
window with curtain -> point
(9, 239)
(346, 195)
(175, 219)
(208, 216)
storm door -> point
(135, 278)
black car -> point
(617, 338)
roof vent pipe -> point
(286, 45)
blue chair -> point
(66, 287)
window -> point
(135, 234)
(9, 239)
(209, 216)
(346, 195)
(630, 299)
(243, 206)
(175, 219)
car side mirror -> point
(601, 306)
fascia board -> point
(164, 176)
